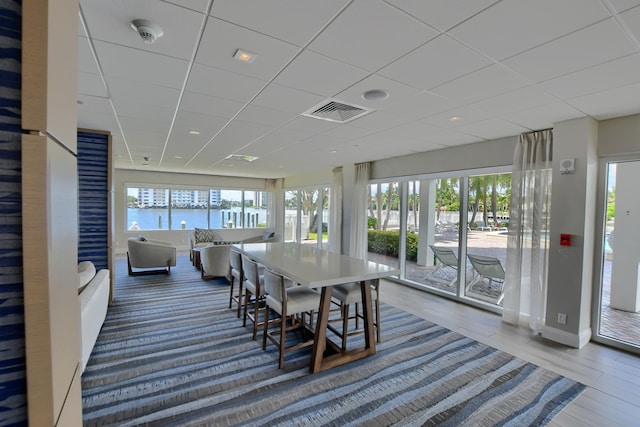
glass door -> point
(617, 296)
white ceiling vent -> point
(336, 111)
(241, 158)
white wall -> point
(124, 177)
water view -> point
(158, 219)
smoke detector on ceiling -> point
(149, 31)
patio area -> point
(615, 324)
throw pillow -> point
(204, 235)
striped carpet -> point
(171, 353)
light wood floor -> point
(612, 376)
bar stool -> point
(236, 273)
(253, 285)
(348, 294)
(287, 302)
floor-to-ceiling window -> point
(486, 243)
(383, 218)
(307, 216)
(617, 291)
(417, 225)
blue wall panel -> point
(93, 198)
(13, 386)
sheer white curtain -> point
(275, 206)
(335, 212)
(525, 294)
(358, 240)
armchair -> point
(150, 254)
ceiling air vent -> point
(335, 111)
(241, 158)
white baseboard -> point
(567, 338)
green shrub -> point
(371, 222)
(386, 243)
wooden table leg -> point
(367, 314)
(320, 339)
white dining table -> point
(320, 269)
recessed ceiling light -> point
(375, 95)
(281, 166)
(244, 55)
(227, 165)
(178, 157)
(455, 118)
(333, 151)
(194, 132)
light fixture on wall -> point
(149, 31)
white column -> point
(426, 231)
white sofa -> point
(93, 292)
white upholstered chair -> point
(288, 302)
(151, 256)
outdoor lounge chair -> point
(446, 259)
(489, 268)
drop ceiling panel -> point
(140, 66)
(265, 116)
(378, 24)
(421, 105)
(302, 73)
(417, 130)
(621, 72)
(242, 133)
(276, 140)
(111, 21)
(631, 18)
(442, 14)
(598, 43)
(286, 99)
(150, 126)
(489, 81)
(86, 62)
(310, 126)
(150, 113)
(207, 125)
(91, 84)
(221, 40)
(456, 117)
(197, 5)
(379, 120)
(510, 27)
(622, 5)
(544, 117)
(224, 84)
(210, 105)
(97, 121)
(512, 101)
(441, 60)
(492, 129)
(608, 104)
(129, 90)
(349, 132)
(452, 138)
(293, 21)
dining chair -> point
(236, 273)
(351, 293)
(253, 286)
(288, 302)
